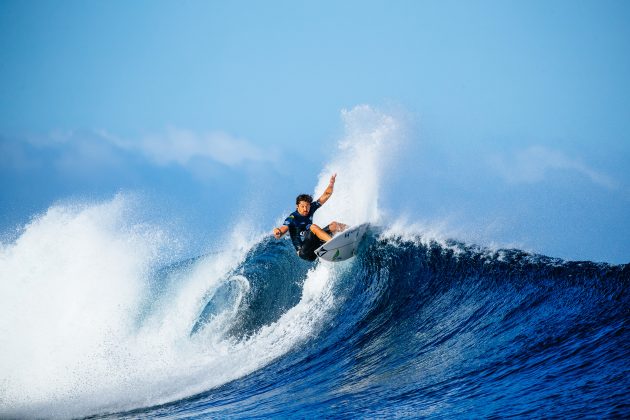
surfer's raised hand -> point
(328, 191)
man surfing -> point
(305, 235)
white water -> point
(83, 329)
(360, 162)
(74, 286)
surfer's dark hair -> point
(304, 197)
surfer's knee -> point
(320, 233)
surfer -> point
(305, 235)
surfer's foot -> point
(336, 227)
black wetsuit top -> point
(299, 224)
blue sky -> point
(517, 114)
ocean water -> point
(102, 316)
(410, 327)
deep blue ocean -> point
(411, 327)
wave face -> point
(436, 330)
(410, 327)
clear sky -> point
(517, 113)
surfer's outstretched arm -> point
(279, 231)
(329, 190)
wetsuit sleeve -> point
(315, 205)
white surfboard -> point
(343, 245)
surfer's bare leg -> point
(320, 233)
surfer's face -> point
(303, 208)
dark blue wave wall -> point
(435, 330)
